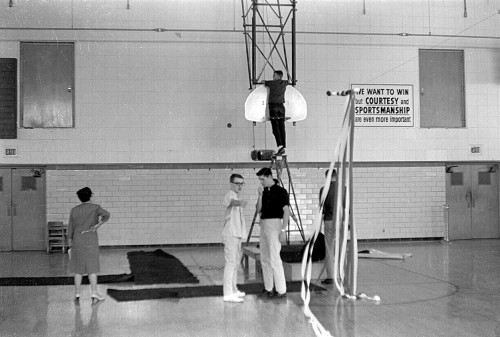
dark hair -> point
(279, 72)
(266, 171)
(334, 173)
(235, 175)
(84, 194)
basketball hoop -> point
(256, 109)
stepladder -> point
(284, 177)
(280, 163)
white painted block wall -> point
(181, 206)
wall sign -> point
(10, 151)
(476, 149)
(384, 105)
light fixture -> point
(37, 173)
(449, 169)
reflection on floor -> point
(444, 289)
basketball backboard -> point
(256, 105)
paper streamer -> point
(344, 268)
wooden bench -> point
(254, 253)
(292, 270)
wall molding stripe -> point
(229, 166)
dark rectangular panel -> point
(28, 184)
(442, 88)
(8, 98)
(484, 178)
(457, 178)
(47, 76)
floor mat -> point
(197, 291)
(158, 267)
(62, 280)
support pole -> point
(294, 81)
(254, 43)
(353, 253)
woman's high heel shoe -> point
(97, 298)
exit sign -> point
(10, 151)
(476, 149)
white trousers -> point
(270, 247)
(232, 257)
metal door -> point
(5, 210)
(442, 92)
(472, 197)
(23, 200)
(484, 201)
(47, 82)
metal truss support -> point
(264, 23)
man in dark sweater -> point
(276, 100)
(273, 206)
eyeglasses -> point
(239, 184)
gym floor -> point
(444, 289)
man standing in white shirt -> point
(232, 236)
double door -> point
(22, 209)
(472, 197)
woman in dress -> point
(84, 220)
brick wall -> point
(184, 205)
(399, 202)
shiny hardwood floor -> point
(444, 289)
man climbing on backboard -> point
(276, 100)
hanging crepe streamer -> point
(343, 216)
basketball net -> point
(344, 266)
